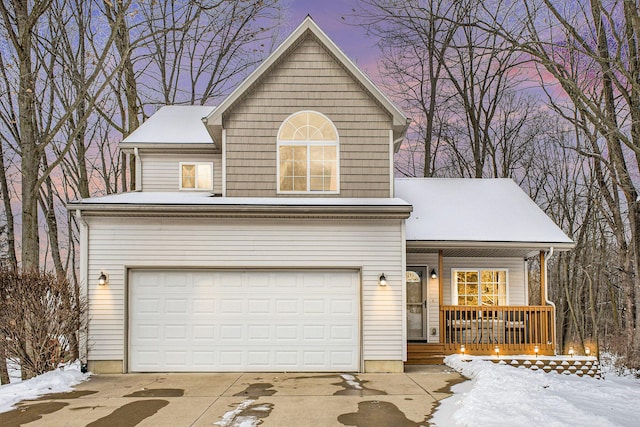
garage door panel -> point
(250, 320)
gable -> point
(308, 78)
(305, 29)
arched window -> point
(308, 154)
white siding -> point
(161, 172)
(371, 246)
(515, 266)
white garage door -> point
(244, 321)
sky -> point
(332, 16)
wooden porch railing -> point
(514, 329)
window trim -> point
(196, 188)
(308, 144)
(454, 284)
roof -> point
(195, 203)
(476, 210)
(400, 121)
(173, 124)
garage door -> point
(243, 321)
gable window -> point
(480, 287)
(308, 154)
(196, 176)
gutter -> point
(287, 211)
(83, 345)
(467, 244)
(196, 147)
(547, 257)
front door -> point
(416, 303)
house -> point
(269, 234)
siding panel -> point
(516, 283)
(371, 246)
(161, 172)
(308, 79)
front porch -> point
(481, 330)
(469, 246)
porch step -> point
(425, 354)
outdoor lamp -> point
(102, 280)
(536, 349)
(382, 280)
(497, 350)
(571, 351)
(587, 351)
(434, 275)
(462, 349)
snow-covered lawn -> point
(61, 380)
(500, 395)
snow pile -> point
(352, 381)
(58, 381)
(237, 418)
(500, 395)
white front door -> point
(208, 320)
(416, 303)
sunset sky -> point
(329, 14)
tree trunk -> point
(4, 372)
(6, 201)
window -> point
(480, 287)
(308, 156)
(196, 176)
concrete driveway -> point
(233, 399)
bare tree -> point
(33, 30)
(591, 50)
(414, 39)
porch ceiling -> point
(477, 252)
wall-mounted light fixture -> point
(571, 351)
(382, 280)
(462, 349)
(497, 350)
(587, 351)
(102, 280)
(536, 350)
(434, 275)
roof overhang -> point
(170, 148)
(218, 207)
(486, 248)
(214, 121)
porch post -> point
(440, 293)
(543, 277)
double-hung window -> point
(480, 287)
(308, 154)
(196, 176)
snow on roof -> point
(174, 124)
(202, 198)
(481, 210)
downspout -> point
(547, 257)
(139, 169)
(83, 345)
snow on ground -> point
(58, 381)
(501, 395)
